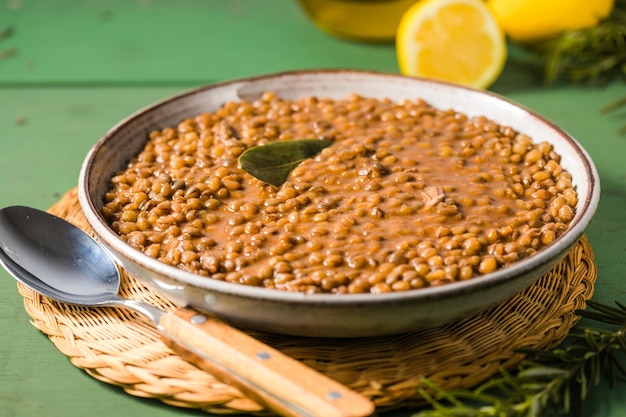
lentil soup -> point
(408, 196)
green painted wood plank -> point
(45, 133)
(160, 41)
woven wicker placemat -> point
(122, 348)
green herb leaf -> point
(272, 163)
(591, 55)
(553, 383)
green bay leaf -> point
(272, 163)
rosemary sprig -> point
(551, 383)
(593, 55)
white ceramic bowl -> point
(326, 315)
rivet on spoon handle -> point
(286, 385)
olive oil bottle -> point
(373, 21)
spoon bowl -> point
(59, 260)
(27, 253)
(50, 256)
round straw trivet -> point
(122, 348)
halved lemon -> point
(458, 41)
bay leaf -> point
(272, 163)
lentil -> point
(409, 196)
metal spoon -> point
(61, 261)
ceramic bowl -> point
(327, 315)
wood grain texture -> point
(287, 386)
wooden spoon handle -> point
(284, 384)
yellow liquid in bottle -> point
(359, 20)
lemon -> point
(534, 20)
(458, 41)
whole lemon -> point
(534, 20)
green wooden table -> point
(75, 68)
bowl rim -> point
(106, 235)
